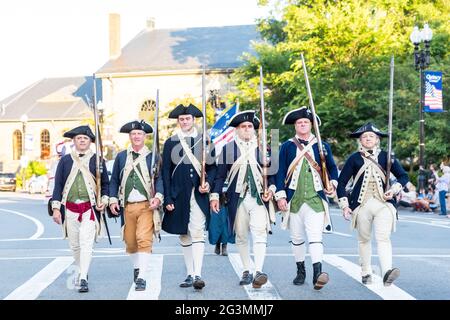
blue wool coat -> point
(116, 178)
(62, 173)
(179, 179)
(288, 153)
(351, 168)
(231, 152)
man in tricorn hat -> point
(370, 205)
(301, 195)
(74, 200)
(239, 167)
(186, 200)
(131, 197)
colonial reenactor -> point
(132, 198)
(369, 205)
(239, 167)
(74, 201)
(302, 196)
(186, 200)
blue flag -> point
(221, 133)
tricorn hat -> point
(81, 130)
(367, 127)
(136, 125)
(182, 110)
(244, 116)
(299, 113)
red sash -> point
(80, 208)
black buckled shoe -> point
(135, 274)
(259, 280)
(217, 248)
(390, 276)
(198, 283)
(320, 279)
(224, 249)
(187, 283)
(367, 279)
(140, 284)
(247, 278)
(83, 286)
(301, 273)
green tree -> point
(347, 46)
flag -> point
(433, 92)
(221, 133)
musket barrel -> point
(391, 107)
(203, 169)
(263, 131)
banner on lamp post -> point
(433, 92)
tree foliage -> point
(347, 46)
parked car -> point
(8, 181)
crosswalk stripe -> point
(387, 293)
(31, 289)
(153, 288)
(266, 292)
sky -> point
(64, 38)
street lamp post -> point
(421, 62)
(23, 158)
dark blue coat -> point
(63, 171)
(179, 181)
(117, 173)
(231, 152)
(351, 168)
(288, 153)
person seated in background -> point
(407, 196)
(432, 198)
(421, 203)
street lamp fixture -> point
(421, 62)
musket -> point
(204, 137)
(263, 133)
(98, 158)
(390, 154)
(155, 148)
(325, 178)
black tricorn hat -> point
(182, 110)
(81, 130)
(299, 113)
(136, 125)
(244, 116)
(367, 127)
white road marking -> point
(431, 224)
(31, 289)
(39, 225)
(342, 234)
(266, 292)
(153, 287)
(386, 293)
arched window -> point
(147, 111)
(45, 144)
(17, 145)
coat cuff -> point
(159, 196)
(273, 188)
(280, 195)
(113, 200)
(105, 200)
(214, 196)
(343, 202)
(396, 188)
(334, 183)
(56, 204)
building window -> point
(147, 111)
(17, 145)
(45, 144)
